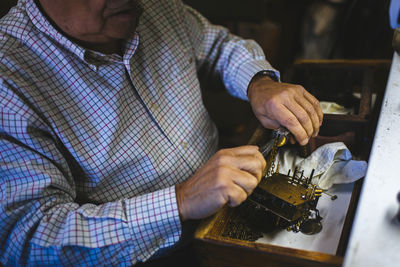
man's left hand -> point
(281, 104)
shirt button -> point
(184, 145)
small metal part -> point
(265, 149)
(294, 172)
(318, 192)
(333, 197)
(281, 134)
(311, 176)
(311, 226)
(281, 141)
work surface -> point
(333, 213)
(375, 238)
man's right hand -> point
(227, 178)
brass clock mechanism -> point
(286, 200)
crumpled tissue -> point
(332, 164)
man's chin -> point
(122, 32)
(121, 26)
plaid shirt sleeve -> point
(39, 210)
(221, 53)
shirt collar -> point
(44, 26)
(97, 59)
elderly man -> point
(105, 145)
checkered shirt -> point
(91, 145)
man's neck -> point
(114, 47)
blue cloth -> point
(394, 11)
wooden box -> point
(359, 84)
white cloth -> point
(332, 163)
(334, 108)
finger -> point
(316, 105)
(289, 120)
(245, 180)
(254, 163)
(312, 113)
(239, 151)
(251, 152)
(302, 117)
(225, 157)
(236, 196)
(268, 123)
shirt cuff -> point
(247, 71)
(154, 221)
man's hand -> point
(281, 104)
(227, 178)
